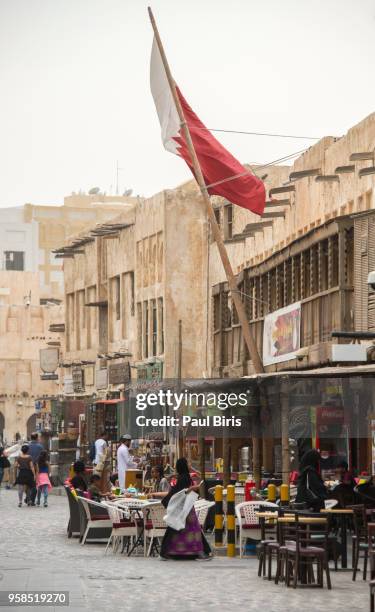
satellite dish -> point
(128, 192)
(94, 190)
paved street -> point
(37, 555)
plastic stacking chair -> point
(248, 522)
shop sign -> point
(68, 385)
(42, 406)
(44, 422)
(77, 375)
(89, 376)
(49, 360)
(282, 334)
(101, 378)
(150, 371)
(119, 373)
(49, 377)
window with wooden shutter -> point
(361, 268)
(371, 267)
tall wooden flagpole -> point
(249, 340)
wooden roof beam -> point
(329, 178)
(295, 176)
(98, 303)
(344, 169)
(283, 189)
(366, 171)
(272, 203)
(274, 215)
(362, 156)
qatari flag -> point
(216, 162)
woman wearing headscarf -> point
(189, 543)
(310, 486)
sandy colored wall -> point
(24, 330)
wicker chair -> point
(96, 519)
(154, 525)
(73, 528)
(122, 527)
(201, 508)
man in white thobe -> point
(124, 461)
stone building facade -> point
(308, 248)
(164, 267)
(31, 281)
(30, 233)
(131, 283)
(24, 329)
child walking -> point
(42, 478)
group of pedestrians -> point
(32, 469)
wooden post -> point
(202, 466)
(249, 340)
(226, 457)
(179, 354)
(285, 455)
(179, 380)
(256, 460)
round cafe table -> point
(342, 515)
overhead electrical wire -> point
(258, 167)
(259, 133)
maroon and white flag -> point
(220, 169)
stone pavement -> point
(35, 554)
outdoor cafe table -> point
(264, 517)
(343, 515)
(136, 506)
(270, 517)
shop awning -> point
(109, 401)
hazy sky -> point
(75, 93)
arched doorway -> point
(2, 427)
(30, 425)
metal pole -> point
(218, 515)
(231, 521)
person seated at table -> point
(159, 484)
(94, 490)
(78, 481)
(310, 486)
(113, 479)
(168, 470)
(189, 543)
(343, 490)
(344, 476)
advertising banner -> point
(282, 334)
